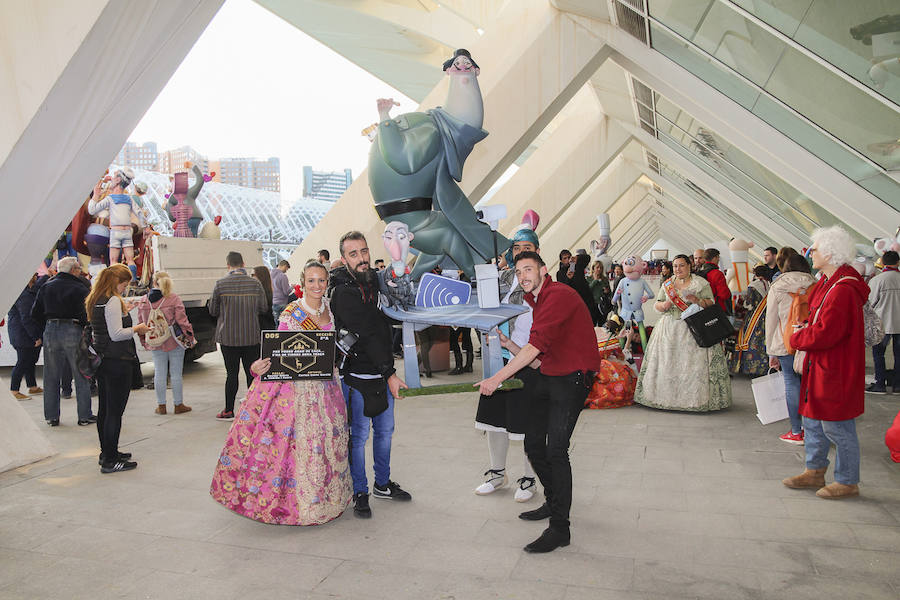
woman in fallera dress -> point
(677, 374)
(285, 459)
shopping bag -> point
(768, 392)
(709, 326)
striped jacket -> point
(237, 300)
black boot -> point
(470, 356)
(457, 358)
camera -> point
(344, 341)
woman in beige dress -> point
(677, 374)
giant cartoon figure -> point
(121, 209)
(90, 236)
(738, 278)
(415, 162)
(182, 205)
(395, 281)
(633, 291)
(599, 247)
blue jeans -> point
(277, 309)
(383, 428)
(819, 435)
(171, 362)
(791, 391)
(60, 342)
(878, 351)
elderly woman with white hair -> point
(833, 375)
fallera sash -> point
(304, 320)
(672, 293)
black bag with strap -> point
(86, 358)
(374, 393)
(709, 326)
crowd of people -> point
(295, 452)
(808, 327)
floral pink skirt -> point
(285, 460)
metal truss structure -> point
(247, 213)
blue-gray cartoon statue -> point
(415, 162)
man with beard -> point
(370, 382)
(562, 337)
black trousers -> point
(113, 386)
(26, 359)
(457, 334)
(554, 409)
(233, 357)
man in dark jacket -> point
(59, 311)
(370, 382)
(565, 274)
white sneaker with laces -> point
(494, 480)
(527, 487)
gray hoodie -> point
(778, 305)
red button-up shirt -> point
(562, 330)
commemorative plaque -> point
(298, 355)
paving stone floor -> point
(666, 505)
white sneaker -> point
(527, 487)
(494, 480)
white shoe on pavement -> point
(494, 480)
(527, 487)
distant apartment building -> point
(248, 172)
(324, 185)
(173, 161)
(138, 156)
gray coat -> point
(885, 299)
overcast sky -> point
(253, 85)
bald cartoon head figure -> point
(396, 238)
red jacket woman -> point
(833, 380)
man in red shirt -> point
(716, 278)
(564, 345)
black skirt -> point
(507, 411)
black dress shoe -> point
(538, 514)
(122, 456)
(549, 541)
(53, 422)
(89, 421)
(361, 505)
